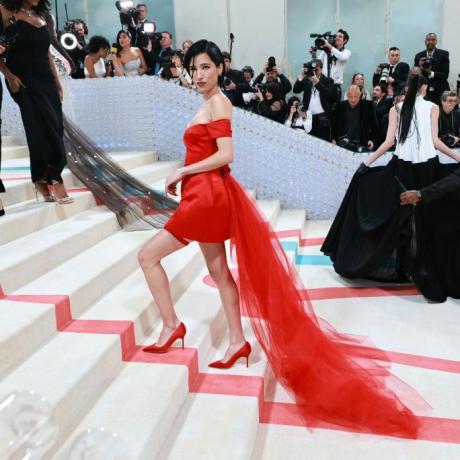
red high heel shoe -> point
(243, 352)
(178, 334)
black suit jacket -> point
(325, 86)
(440, 67)
(368, 121)
(441, 188)
(284, 82)
(399, 74)
(242, 86)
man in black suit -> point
(234, 83)
(274, 76)
(318, 97)
(354, 121)
(383, 105)
(398, 72)
(435, 65)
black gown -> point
(38, 100)
(374, 237)
(2, 187)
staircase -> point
(75, 311)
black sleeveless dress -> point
(38, 100)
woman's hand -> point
(172, 180)
(15, 83)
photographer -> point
(79, 53)
(139, 24)
(334, 58)
(164, 54)
(435, 65)
(354, 126)
(382, 104)
(175, 72)
(250, 98)
(271, 73)
(318, 97)
(449, 120)
(298, 118)
(234, 83)
(271, 104)
(392, 74)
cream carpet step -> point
(213, 427)
(12, 152)
(70, 372)
(10, 141)
(27, 258)
(140, 405)
(23, 329)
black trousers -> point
(41, 112)
(321, 127)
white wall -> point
(450, 38)
(257, 23)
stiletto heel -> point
(178, 334)
(243, 352)
(40, 187)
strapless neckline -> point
(208, 123)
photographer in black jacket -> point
(234, 83)
(449, 120)
(435, 65)
(271, 73)
(393, 74)
(79, 53)
(318, 96)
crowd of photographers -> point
(345, 113)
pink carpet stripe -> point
(349, 292)
(303, 242)
(12, 179)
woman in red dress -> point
(328, 373)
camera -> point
(271, 64)
(262, 88)
(352, 145)
(227, 81)
(319, 44)
(426, 63)
(449, 140)
(310, 68)
(385, 73)
(68, 37)
(128, 13)
(300, 108)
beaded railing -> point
(145, 113)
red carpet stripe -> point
(349, 292)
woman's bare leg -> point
(150, 256)
(216, 261)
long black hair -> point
(204, 46)
(415, 82)
(128, 34)
(43, 8)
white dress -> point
(418, 146)
(99, 69)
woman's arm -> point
(438, 144)
(390, 139)
(220, 109)
(89, 66)
(56, 76)
(118, 67)
(144, 69)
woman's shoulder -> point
(221, 107)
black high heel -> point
(2, 210)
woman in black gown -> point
(2, 187)
(34, 85)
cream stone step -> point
(70, 372)
(92, 273)
(291, 219)
(14, 151)
(131, 300)
(274, 442)
(140, 405)
(30, 215)
(23, 328)
(10, 141)
(29, 257)
(213, 427)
